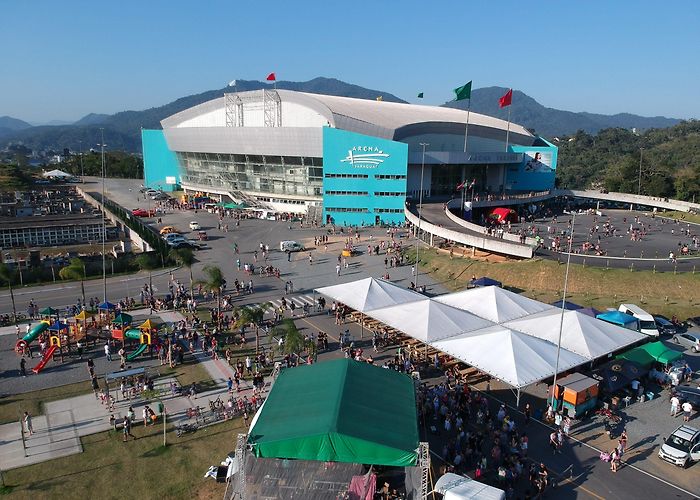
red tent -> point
(501, 215)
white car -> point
(194, 226)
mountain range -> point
(122, 130)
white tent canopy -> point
(581, 334)
(456, 487)
(509, 355)
(508, 336)
(494, 303)
(369, 294)
(57, 173)
(428, 320)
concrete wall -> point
(481, 229)
(502, 247)
(133, 236)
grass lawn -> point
(11, 407)
(111, 469)
(188, 373)
(542, 279)
(685, 216)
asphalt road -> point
(591, 477)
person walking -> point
(127, 429)
(687, 410)
(553, 442)
(528, 413)
(337, 269)
(108, 352)
(614, 460)
(28, 423)
(675, 403)
(23, 367)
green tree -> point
(147, 262)
(294, 341)
(214, 282)
(74, 271)
(185, 258)
(9, 275)
(252, 316)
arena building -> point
(349, 161)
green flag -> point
(420, 95)
(464, 92)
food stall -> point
(576, 394)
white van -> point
(647, 324)
(291, 246)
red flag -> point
(506, 99)
(271, 77)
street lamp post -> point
(420, 207)
(82, 170)
(639, 186)
(563, 306)
(104, 219)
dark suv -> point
(688, 393)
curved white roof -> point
(379, 118)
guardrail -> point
(499, 246)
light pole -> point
(563, 306)
(82, 170)
(639, 186)
(104, 219)
(420, 207)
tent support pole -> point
(362, 325)
(517, 399)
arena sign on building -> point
(352, 161)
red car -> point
(140, 212)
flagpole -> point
(508, 130)
(466, 129)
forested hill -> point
(670, 161)
(550, 122)
(123, 130)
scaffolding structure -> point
(424, 464)
(238, 104)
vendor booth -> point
(576, 394)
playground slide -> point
(36, 330)
(47, 357)
(137, 352)
(133, 333)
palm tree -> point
(214, 282)
(146, 262)
(74, 271)
(7, 274)
(185, 258)
(294, 342)
(253, 315)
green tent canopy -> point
(123, 319)
(661, 353)
(639, 356)
(339, 411)
(49, 311)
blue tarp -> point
(618, 318)
(484, 281)
(107, 305)
(569, 306)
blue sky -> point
(64, 59)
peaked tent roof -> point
(369, 294)
(581, 334)
(661, 353)
(514, 357)
(494, 303)
(343, 420)
(428, 320)
(567, 305)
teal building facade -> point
(364, 179)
